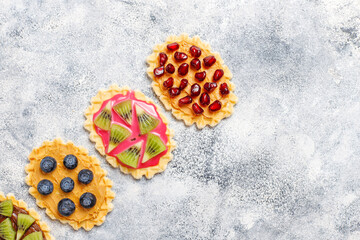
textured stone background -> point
(285, 166)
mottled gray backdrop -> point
(285, 165)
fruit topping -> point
(204, 99)
(218, 74)
(48, 164)
(131, 155)
(215, 106)
(174, 92)
(180, 56)
(85, 176)
(173, 46)
(154, 146)
(210, 86)
(66, 207)
(183, 84)
(185, 100)
(195, 90)
(103, 120)
(168, 83)
(159, 71)
(124, 109)
(170, 68)
(195, 51)
(87, 200)
(6, 230)
(200, 76)
(183, 69)
(70, 161)
(45, 187)
(117, 135)
(195, 63)
(34, 236)
(67, 184)
(162, 58)
(197, 109)
(209, 61)
(224, 90)
(146, 121)
(6, 208)
(24, 221)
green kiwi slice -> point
(131, 155)
(24, 221)
(34, 236)
(6, 208)
(103, 120)
(154, 146)
(117, 135)
(124, 109)
(6, 230)
(146, 121)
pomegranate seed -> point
(185, 100)
(218, 74)
(200, 76)
(162, 58)
(210, 86)
(195, 90)
(168, 83)
(183, 69)
(209, 61)
(204, 99)
(183, 84)
(215, 106)
(195, 51)
(180, 56)
(174, 92)
(173, 46)
(224, 90)
(159, 71)
(195, 63)
(170, 68)
(197, 109)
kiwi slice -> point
(6, 208)
(24, 221)
(34, 236)
(103, 120)
(6, 230)
(124, 109)
(117, 135)
(131, 155)
(154, 146)
(146, 121)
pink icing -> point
(160, 130)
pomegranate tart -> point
(19, 222)
(130, 130)
(69, 184)
(192, 80)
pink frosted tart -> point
(130, 130)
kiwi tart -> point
(130, 130)
(69, 184)
(20, 223)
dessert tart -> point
(20, 223)
(192, 81)
(69, 184)
(130, 130)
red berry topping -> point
(168, 83)
(195, 90)
(173, 46)
(159, 71)
(200, 76)
(180, 56)
(170, 68)
(162, 58)
(183, 84)
(183, 69)
(215, 106)
(204, 99)
(195, 51)
(195, 63)
(218, 74)
(174, 92)
(210, 86)
(209, 61)
(224, 90)
(185, 100)
(197, 109)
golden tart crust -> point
(100, 185)
(96, 103)
(21, 204)
(185, 112)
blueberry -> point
(66, 207)
(67, 184)
(48, 164)
(87, 200)
(85, 176)
(70, 161)
(45, 187)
